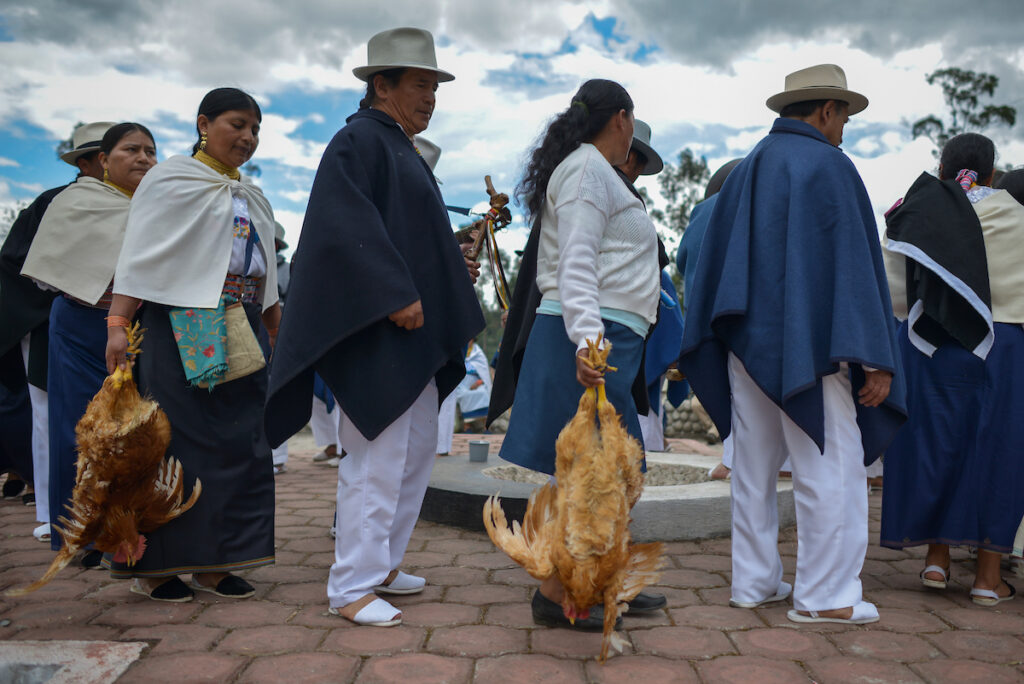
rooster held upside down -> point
(578, 528)
(123, 486)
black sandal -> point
(231, 586)
(173, 591)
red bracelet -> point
(118, 322)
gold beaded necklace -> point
(229, 171)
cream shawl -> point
(177, 244)
(79, 238)
(1002, 227)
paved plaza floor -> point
(473, 623)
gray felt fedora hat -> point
(642, 144)
(86, 139)
(401, 47)
(820, 82)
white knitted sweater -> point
(598, 248)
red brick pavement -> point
(473, 622)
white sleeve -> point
(581, 225)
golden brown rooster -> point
(578, 528)
(123, 485)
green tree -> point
(962, 90)
(490, 338)
(682, 185)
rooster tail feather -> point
(525, 547)
(642, 569)
(60, 562)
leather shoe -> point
(548, 613)
(646, 603)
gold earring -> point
(106, 175)
(202, 141)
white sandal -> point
(376, 613)
(863, 613)
(402, 585)
(42, 533)
(935, 584)
(988, 597)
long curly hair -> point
(597, 101)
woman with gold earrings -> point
(197, 269)
(75, 252)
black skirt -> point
(218, 438)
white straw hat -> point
(86, 139)
(401, 47)
(429, 151)
(820, 82)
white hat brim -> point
(72, 155)
(857, 102)
(364, 73)
(654, 162)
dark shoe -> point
(91, 560)
(646, 603)
(231, 586)
(173, 591)
(548, 613)
(13, 488)
(29, 499)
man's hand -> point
(472, 266)
(587, 376)
(410, 317)
(876, 387)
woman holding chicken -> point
(75, 252)
(197, 269)
(598, 276)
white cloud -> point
(4, 161)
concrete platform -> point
(459, 487)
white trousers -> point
(828, 489)
(324, 425)
(381, 484)
(446, 423)
(727, 450)
(652, 427)
(280, 454)
(40, 442)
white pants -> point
(381, 484)
(828, 489)
(40, 443)
(324, 425)
(280, 454)
(652, 427)
(727, 451)
(446, 423)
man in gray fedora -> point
(381, 306)
(790, 345)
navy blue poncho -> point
(790, 279)
(376, 238)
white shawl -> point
(177, 244)
(79, 238)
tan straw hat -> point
(821, 82)
(401, 47)
(86, 139)
(642, 144)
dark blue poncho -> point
(790, 279)
(376, 238)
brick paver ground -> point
(473, 624)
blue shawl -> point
(376, 238)
(790, 279)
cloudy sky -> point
(699, 73)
